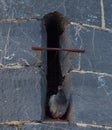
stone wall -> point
(23, 71)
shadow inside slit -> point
(54, 28)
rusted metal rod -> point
(58, 49)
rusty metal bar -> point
(58, 49)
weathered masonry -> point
(24, 73)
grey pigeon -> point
(58, 104)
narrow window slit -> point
(55, 25)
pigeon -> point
(58, 104)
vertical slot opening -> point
(55, 25)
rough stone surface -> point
(23, 91)
(20, 9)
(55, 126)
(17, 9)
(108, 14)
(66, 57)
(76, 10)
(91, 98)
(16, 41)
(8, 127)
(86, 11)
(22, 94)
(97, 45)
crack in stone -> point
(91, 72)
(11, 67)
(88, 72)
(83, 25)
(93, 125)
(18, 66)
(64, 7)
(5, 50)
(102, 14)
(19, 19)
(21, 123)
(93, 43)
(103, 84)
(77, 34)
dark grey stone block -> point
(84, 11)
(22, 8)
(29, 8)
(108, 14)
(77, 10)
(97, 45)
(16, 41)
(56, 126)
(22, 94)
(5, 127)
(91, 98)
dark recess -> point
(55, 24)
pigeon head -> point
(60, 88)
(60, 97)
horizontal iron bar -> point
(58, 49)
